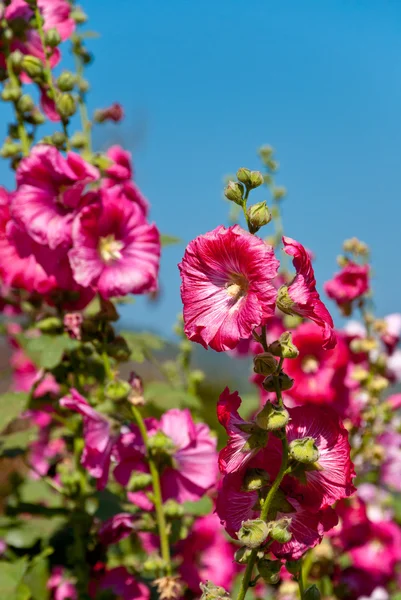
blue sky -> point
(204, 84)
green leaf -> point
(46, 351)
(169, 240)
(36, 579)
(164, 397)
(200, 508)
(12, 405)
(142, 344)
(11, 575)
(23, 592)
(28, 532)
(16, 443)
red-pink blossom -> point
(347, 285)
(99, 442)
(380, 551)
(239, 449)
(227, 287)
(301, 296)
(115, 250)
(120, 175)
(392, 333)
(50, 194)
(207, 555)
(119, 581)
(116, 528)
(60, 586)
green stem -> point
(301, 584)
(263, 515)
(83, 111)
(22, 133)
(158, 501)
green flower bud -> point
(35, 117)
(118, 349)
(284, 381)
(378, 384)
(66, 105)
(78, 16)
(78, 140)
(278, 530)
(254, 479)
(10, 150)
(25, 103)
(284, 301)
(57, 139)
(139, 481)
(234, 191)
(154, 562)
(265, 364)
(33, 67)
(16, 61)
(172, 509)
(66, 81)
(283, 347)
(269, 570)
(10, 93)
(253, 533)
(304, 450)
(52, 38)
(272, 417)
(242, 555)
(161, 444)
(213, 592)
(312, 593)
(49, 325)
(251, 179)
(258, 216)
(117, 390)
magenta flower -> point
(120, 176)
(115, 250)
(301, 296)
(227, 287)
(245, 439)
(50, 194)
(390, 468)
(60, 586)
(116, 528)
(114, 112)
(379, 553)
(349, 284)
(99, 443)
(206, 555)
(121, 583)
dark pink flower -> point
(120, 582)
(379, 553)
(227, 287)
(394, 401)
(347, 285)
(115, 250)
(245, 439)
(60, 586)
(116, 528)
(99, 443)
(120, 176)
(301, 296)
(207, 555)
(114, 112)
(50, 194)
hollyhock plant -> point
(119, 581)
(116, 528)
(119, 174)
(50, 194)
(227, 287)
(379, 553)
(115, 250)
(349, 284)
(392, 331)
(99, 442)
(301, 296)
(60, 587)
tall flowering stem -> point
(158, 501)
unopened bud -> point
(117, 390)
(304, 450)
(154, 562)
(278, 530)
(16, 61)
(66, 81)
(253, 533)
(279, 193)
(32, 66)
(160, 444)
(269, 570)
(10, 150)
(284, 301)
(234, 192)
(10, 93)
(136, 396)
(312, 593)
(285, 382)
(251, 179)
(265, 152)
(213, 592)
(25, 103)
(366, 345)
(49, 325)
(139, 481)
(265, 364)
(254, 479)
(172, 509)
(58, 139)
(283, 347)
(66, 105)
(78, 15)
(272, 417)
(258, 216)
(293, 567)
(35, 117)
(78, 140)
(52, 37)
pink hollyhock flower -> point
(44, 452)
(207, 555)
(394, 401)
(347, 285)
(318, 374)
(301, 296)
(120, 174)
(56, 15)
(120, 582)
(115, 250)
(392, 333)
(245, 439)
(99, 442)
(394, 366)
(355, 583)
(116, 528)
(391, 466)
(50, 194)
(380, 551)
(227, 287)
(60, 586)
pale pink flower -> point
(301, 296)
(349, 284)
(227, 287)
(392, 334)
(115, 250)
(50, 194)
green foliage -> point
(142, 344)
(17, 442)
(12, 405)
(11, 580)
(163, 396)
(202, 507)
(46, 351)
(169, 240)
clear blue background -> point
(204, 84)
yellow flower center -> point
(310, 364)
(110, 248)
(237, 286)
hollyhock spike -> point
(301, 297)
(349, 284)
(227, 287)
